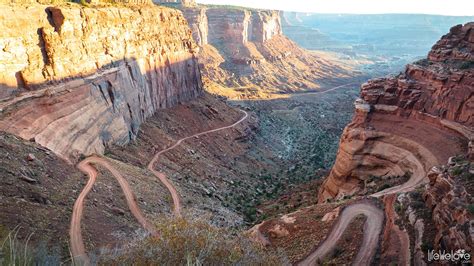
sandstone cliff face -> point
(78, 79)
(265, 25)
(221, 26)
(247, 49)
(411, 122)
(198, 22)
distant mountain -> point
(381, 37)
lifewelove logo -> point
(454, 256)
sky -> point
(435, 7)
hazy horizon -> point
(363, 7)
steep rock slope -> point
(411, 122)
(77, 79)
(246, 49)
(449, 197)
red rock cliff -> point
(247, 49)
(411, 122)
(78, 79)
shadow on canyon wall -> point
(82, 114)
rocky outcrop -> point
(265, 25)
(243, 48)
(197, 19)
(411, 122)
(448, 199)
(224, 26)
(78, 79)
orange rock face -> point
(246, 49)
(411, 122)
(78, 79)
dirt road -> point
(77, 243)
(162, 176)
(302, 94)
(372, 228)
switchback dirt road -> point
(77, 243)
(162, 176)
(372, 228)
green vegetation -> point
(186, 242)
(383, 187)
(467, 65)
(425, 246)
(15, 252)
(422, 62)
(470, 208)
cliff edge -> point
(77, 79)
(245, 49)
(411, 122)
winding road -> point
(372, 228)
(321, 92)
(78, 250)
(77, 243)
(373, 225)
(162, 176)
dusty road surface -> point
(302, 94)
(162, 176)
(417, 178)
(372, 229)
(77, 243)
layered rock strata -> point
(449, 197)
(246, 49)
(410, 122)
(78, 79)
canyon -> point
(435, 94)
(408, 125)
(75, 83)
(245, 54)
(209, 118)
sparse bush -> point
(457, 171)
(384, 186)
(470, 208)
(467, 65)
(398, 208)
(416, 196)
(15, 252)
(185, 242)
(418, 205)
(426, 246)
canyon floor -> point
(200, 145)
(234, 177)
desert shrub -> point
(470, 208)
(467, 65)
(186, 242)
(425, 246)
(398, 207)
(383, 187)
(16, 252)
(457, 171)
